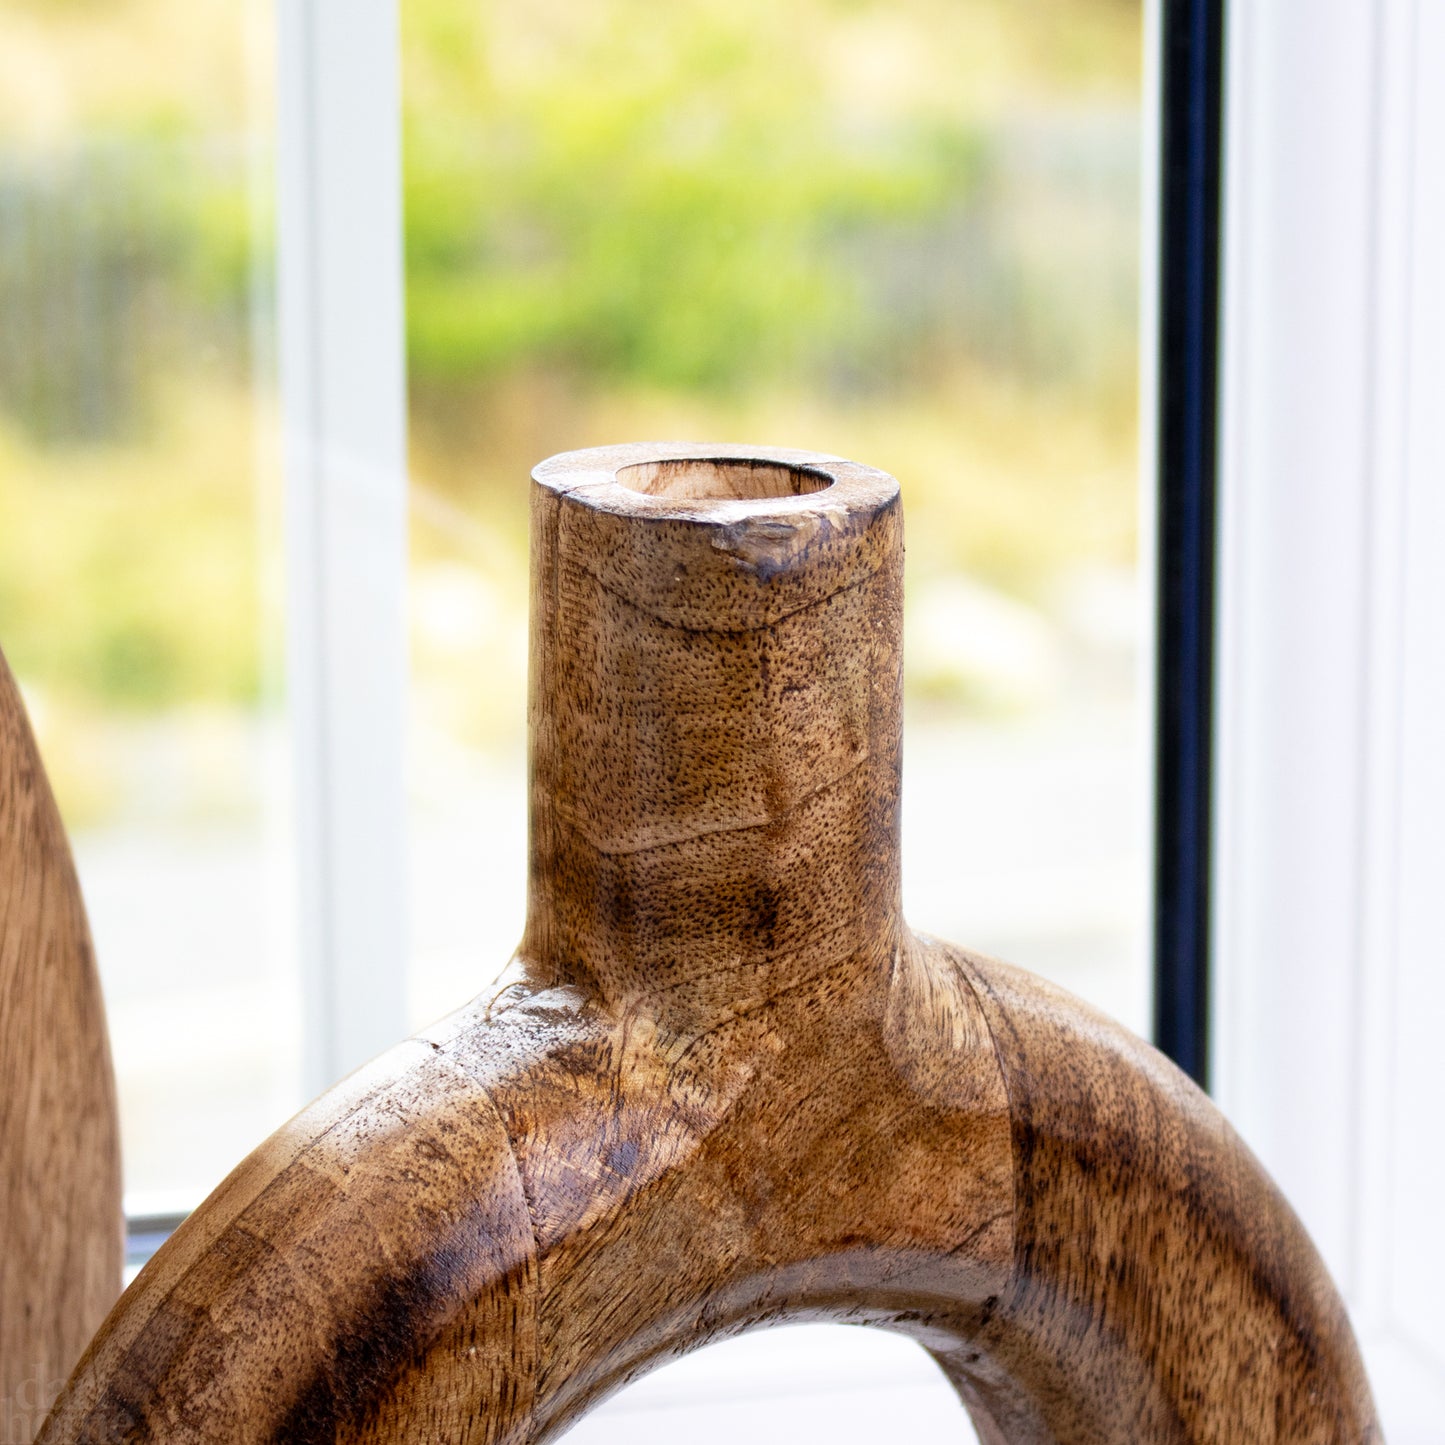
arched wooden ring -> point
(723, 1084)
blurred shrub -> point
(130, 573)
(665, 196)
(125, 258)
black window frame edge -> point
(1191, 145)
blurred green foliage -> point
(123, 258)
(128, 557)
(131, 574)
(663, 199)
(888, 228)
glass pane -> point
(903, 232)
(138, 557)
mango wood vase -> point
(722, 1083)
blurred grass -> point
(139, 560)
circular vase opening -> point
(718, 479)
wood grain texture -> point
(722, 1084)
(61, 1226)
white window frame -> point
(342, 355)
(1330, 846)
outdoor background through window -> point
(138, 543)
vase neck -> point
(714, 723)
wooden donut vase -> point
(722, 1084)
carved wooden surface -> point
(722, 1084)
(61, 1228)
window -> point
(140, 598)
(297, 293)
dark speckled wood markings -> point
(722, 1084)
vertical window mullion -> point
(343, 403)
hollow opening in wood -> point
(721, 479)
